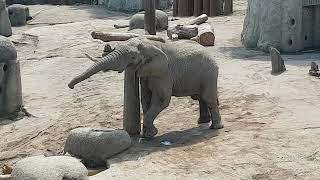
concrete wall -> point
(289, 25)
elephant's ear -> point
(156, 63)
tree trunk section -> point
(150, 17)
(190, 7)
(131, 111)
(198, 20)
(183, 31)
(157, 4)
(215, 8)
(175, 8)
(228, 7)
(205, 35)
(197, 7)
(206, 7)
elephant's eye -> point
(133, 57)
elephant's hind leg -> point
(205, 115)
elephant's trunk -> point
(109, 62)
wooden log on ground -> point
(205, 35)
(277, 61)
(183, 31)
(131, 111)
(228, 7)
(198, 20)
(113, 36)
(150, 17)
(197, 7)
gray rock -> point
(49, 168)
(137, 21)
(95, 146)
(18, 14)
(5, 25)
(277, 61)
(7, 50)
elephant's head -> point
(140, 54)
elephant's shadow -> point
(144, 147)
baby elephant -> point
(165, 70)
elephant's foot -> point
(216, 125)
(149, 132)
(203, 120)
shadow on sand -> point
(143, 147)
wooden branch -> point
(198, 20)
(205, 35)
(183, 31)
(113, 36)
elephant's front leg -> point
(149, 130)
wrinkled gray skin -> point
(137, 21)
(165, 71)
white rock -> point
(49, 168)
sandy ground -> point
(272, 126)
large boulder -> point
(5, 25)
(18, 14)
(49, 168)
(137, 21)
(95, 146)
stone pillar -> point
(5, 25)
(10, 80)
(131, 111)
(150, 17)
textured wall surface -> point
(288, 25)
